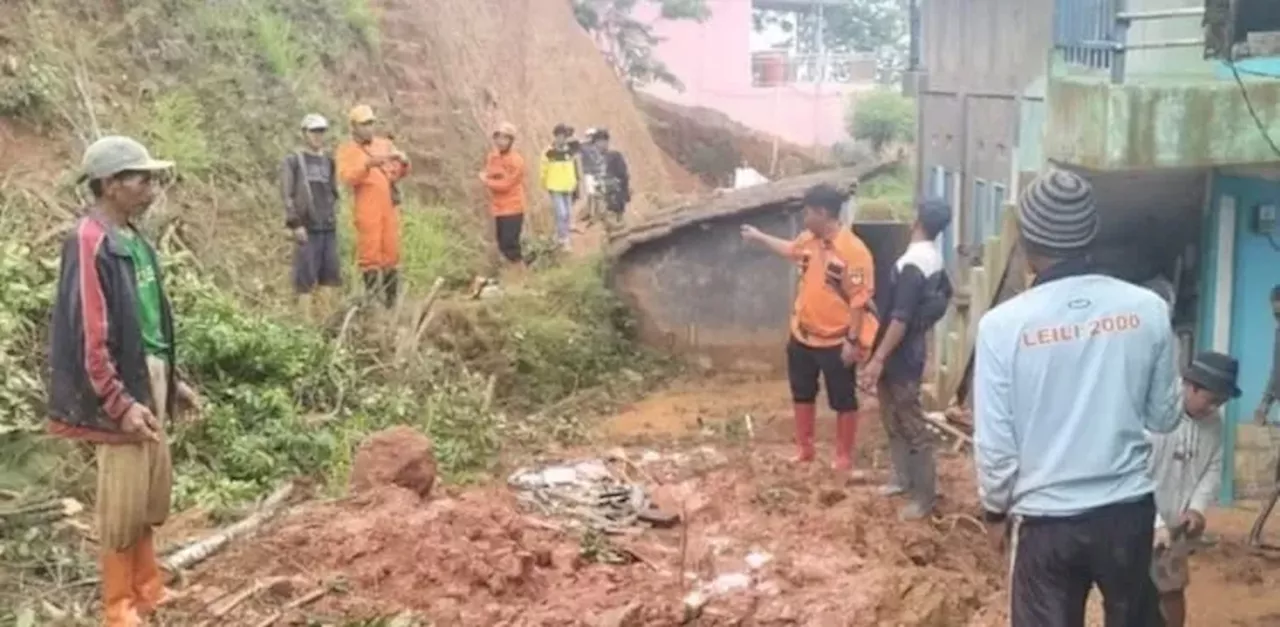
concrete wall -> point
(704, 293)
(713, 60)
(979, 57)
(1149, 125)
(1177, 63)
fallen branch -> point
(490, 390)
(938, 420)
(220, 609)
(201, 550)
(309, 597)
(55, 509)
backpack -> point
(933, 304)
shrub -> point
(881, 118)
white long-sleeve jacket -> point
(1186, 466)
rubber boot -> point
(899, 481)
(846, 437)
(805, 415)
(118, 596)
(923, 476)
(391, 287)
(148, 584)
(372, 284)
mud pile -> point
(710, 145)
(400, 456)
(764, 544)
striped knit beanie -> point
(1056, 212)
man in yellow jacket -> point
(559, 176)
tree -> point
(870, 26)
(628, 43)
(882, 117)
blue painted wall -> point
(1261, 67)
(1257, 269)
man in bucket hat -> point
(1187, 468)
(113, 381)
(1068, 375)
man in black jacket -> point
(309, 187)
(916, 298)
(113, 381)
(616, 183)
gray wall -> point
(979, 56)
(704, 293)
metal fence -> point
(780, 67)
(1094, 34)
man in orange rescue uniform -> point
(831, 328)
(372, 166)
(503, 175)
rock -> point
(399, 456)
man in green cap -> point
(113, 382)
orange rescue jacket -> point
(837, 281)
(372, 185)
(504, 176)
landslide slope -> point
(455, 68)
(219, 87)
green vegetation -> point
(889, 196)
(882, 118)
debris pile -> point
(590, 495)
(759, 540)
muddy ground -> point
(764, 543)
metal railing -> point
(779, 68)
(1094, 34)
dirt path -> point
(763, 542)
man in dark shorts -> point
(1068, 375)
(828, 325)
(308, 183)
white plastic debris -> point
(729, 582)
(757, 559)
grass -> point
(888, 197)
(175, 129)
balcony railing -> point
(1094, 34)
(773, 68)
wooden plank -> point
(987, 287)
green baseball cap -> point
(114, 154)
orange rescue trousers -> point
(377, 237)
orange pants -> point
(132, 586)
(377, 237)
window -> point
(978, 211)
(946, 240)
(1228, 29)
(998, 194)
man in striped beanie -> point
(1068, 375)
